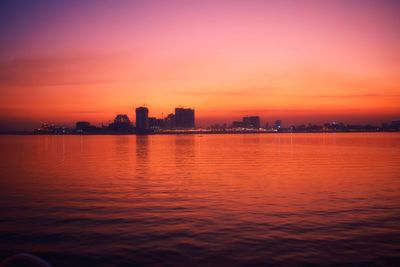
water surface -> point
(262, 199)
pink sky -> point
(300, 61)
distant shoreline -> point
(199, 132)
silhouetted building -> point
(335, 126)
(84, 127)
(47, 128)
(237, 124)
(121, 123)
(156, 124)
(142, 119)
(278, 124)
(306, 128)
(152, 122)
(184, 118)
(251, 122)
(169, 121)
(396, 123)
(122, 119)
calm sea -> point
(202, 200)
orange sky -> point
(299, 61)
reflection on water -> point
(277, 199)
(142, 155)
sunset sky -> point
(299, 61)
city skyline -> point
(208, 123)
(300, 62)
(183, 120)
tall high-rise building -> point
(251, 122)
(142, 119)
(184, 118)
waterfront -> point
(282, 199)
